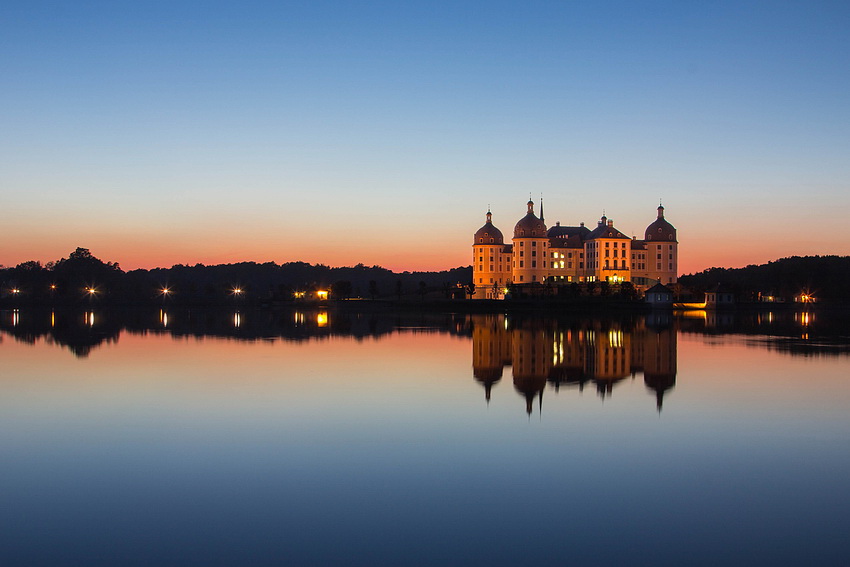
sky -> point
(157, 133)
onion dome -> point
(489, 234)
(660, 230)
(530, 226)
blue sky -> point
(335, 132)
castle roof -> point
(559, 231)
(488, 234)
(605, 229)
(660, 229)
(530, 226)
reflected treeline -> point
(82, 331)
(572, 354)
(807, 332)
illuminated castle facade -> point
(565, 254)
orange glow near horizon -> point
(700, 247)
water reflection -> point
(566, 351)
(82, 332)
(571, 354)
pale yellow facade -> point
(564, 255)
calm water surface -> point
(323, 438)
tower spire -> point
(541, 206)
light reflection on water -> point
(318, 437)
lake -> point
(335, 437)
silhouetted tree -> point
(341, 289)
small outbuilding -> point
(719, 297)
(659, 296)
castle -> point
(566, 254)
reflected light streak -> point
(16, 317)
(322, 319)
(237, 319)
(163, 318)
(298, 318)
(89, 318)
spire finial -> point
(541, 206)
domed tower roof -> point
(530, 226)
(489, 234)
(660, 230)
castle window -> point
(480, 240)
(534, 263)
(491, 240)
(534, 252)
(520, 278)
(521, 264)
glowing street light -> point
(92, 291)
(238, 291)
(165, 291)
(15, 291)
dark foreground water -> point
(322, 438)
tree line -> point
(824, 277)
(84, 278)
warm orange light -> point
(322, 319)
(322, 294)
(237, 290)
(299, 294)
(91, 290)
(15, 290)
(164, 291)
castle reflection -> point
(571, 354)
